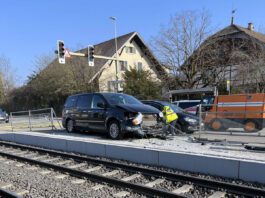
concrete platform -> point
(153, 152)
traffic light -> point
(61, 52)
(91, 51)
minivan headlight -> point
(138, 119)
(191, 120)
(161, 114)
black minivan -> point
(112, 113)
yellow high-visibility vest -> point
(169, 114)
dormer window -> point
(130, 50)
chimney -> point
(250, 26)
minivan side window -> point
(84, 101)
(96, 99)
(70, 102)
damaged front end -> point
(141, 123)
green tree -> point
(141, 85)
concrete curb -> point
(225, 167)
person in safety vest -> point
(170, 118)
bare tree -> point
(177, 42)
(250, 75)
(42, 61)
(7, 75)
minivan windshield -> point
(116, 99)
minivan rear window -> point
(70, 102)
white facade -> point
(130, 56)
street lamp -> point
(116, 46)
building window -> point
(140, 66)
(123, 66)
(130, 50)
(115, 86)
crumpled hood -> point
(139, 108)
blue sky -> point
(30, 28)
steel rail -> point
(8, 194)
(198, 181)
(98, 178)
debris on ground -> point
(206, 140)
(255, 147)
(158, 131)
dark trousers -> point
(170, 128)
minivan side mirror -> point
(101, 105)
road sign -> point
(67, 54)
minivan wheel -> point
(70, 126)
(114, 130)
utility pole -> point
(116, 46)
(230, 79)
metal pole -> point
(52, 118)
(30, 128)
(116, 47)
(230, 78)
(11, 121)
(200, 120)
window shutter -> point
(126, 65)
(119, 66)
(109, 84)
(140, 66)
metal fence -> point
(40, 118)
(230, 118)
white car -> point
(188, 105)
(4, 116)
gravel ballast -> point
(65, 185)
(40, 185)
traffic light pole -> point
(95, 56)
(78, 54)
(91, 56)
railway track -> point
(130, 178)
(8, 194)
